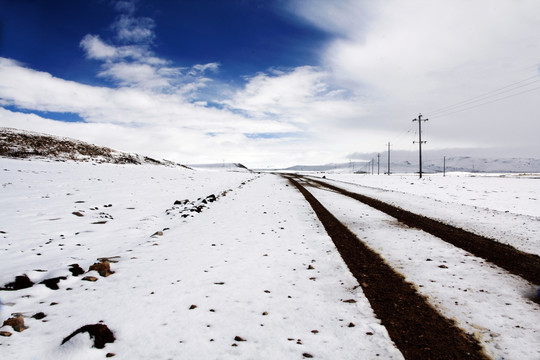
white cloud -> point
(201, 68)
(131, 29)
(96, 49)
(406, 57)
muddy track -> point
(505, 256)
(416, 328)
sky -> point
(275, 83)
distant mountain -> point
(453, 164)
(24, 144)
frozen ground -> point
(254, 265)
(252, 274)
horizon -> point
(274, 83)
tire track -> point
(505, 256)
(416, 328)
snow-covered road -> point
(485, 300)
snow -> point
(255, 263)
(504, 207)
(242, 261)
(484, 300)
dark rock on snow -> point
(21, 282)
(99, 332)
(76, 270)
(53, 282)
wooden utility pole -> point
(378, 163)
(420, 140)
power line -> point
(486, 96)
(485, 103)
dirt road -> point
(417, 329)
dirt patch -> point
(416, 328)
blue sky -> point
(243, 36)
(273, 83)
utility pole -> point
(420, 140)
(378, 163)
(388, 159)
(444, 167)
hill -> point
(24, 144)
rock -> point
(90, 278)
(192, 307)
(5, 333)
(39, 316)
(211, 198)
(238, 338)
(349, 301)
(76, 270)
(110, 355)
(53, 282)
(103, 268)
(158, 233)
(307, 355)
(99, 332)
(21, 282)
(181, 202)
(310, 267)
(17, 323)
(77, 213)
(351, 324)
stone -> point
(103, 268)
(21, 282)
(99, 332)
(238, 338)
(5, 333)
(90, 278)
(53, 282)
(39, 316)
(17, 323)
(76, 270)
(77, 213)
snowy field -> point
(253, 265)
(251, 274)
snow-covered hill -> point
(15, 143)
